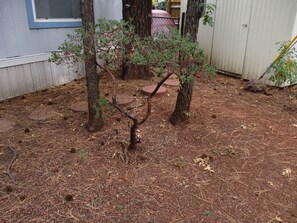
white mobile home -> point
(243, 39)
(29, 31)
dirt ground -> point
(234, 161)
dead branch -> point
(134, 126)
(149, 107)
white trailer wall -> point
(272, 21)
(243, 40)
(16, 39)
(24, 53)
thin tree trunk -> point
(184, 97)
(137, 11)
(95, 123)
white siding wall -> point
(271, 21)
(205, 32)
(29, 77)
(109, 9)
(16, 39)
(21, 69)
(295, 27)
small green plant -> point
(284, 70)
(162, 5)
(208, 213)
(207, 18)
(119, 207)
(83, 155)
(104, 106)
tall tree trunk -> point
(87, 15)
(182, 107)
(137, 11)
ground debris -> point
(256, 86)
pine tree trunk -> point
(137, 11)
(183, 102)
(87, 14)
(184, 97)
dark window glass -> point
(57, 9)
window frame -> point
(35, 23)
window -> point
(44, 14)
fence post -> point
(182, 24)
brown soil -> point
(148, 90)
(234, 161)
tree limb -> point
(149, 107)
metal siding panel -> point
(57, 74)
(35, 76)
(56, 37)
(272, 21)
(9, 44)
(183, 6)
(66, 74)
(48, 72)
(2, 51)
(108, 9)
(14, 82)
(54, 73)
(26, 40)
(115, 9)
(72, 73)
(44, 79)
(205, 33)
(6, 91)
(18, 39)
(43, 41)
(60, 73)
(229, 34)
(295, 27)
(100, 6)
(20, 79)
(28, 76)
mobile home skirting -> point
(24, 75)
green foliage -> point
(83, 155)
(174, 54)
(116, 40)
(208, 213)
(162, 5)
(207, 18)
(111, 38)
(285, 69)
(104, 107)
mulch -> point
(235, 160)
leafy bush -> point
(172, 54)
(111, 38)
(284, 70)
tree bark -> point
(182, 107)
(137, 12)
(87, 15)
